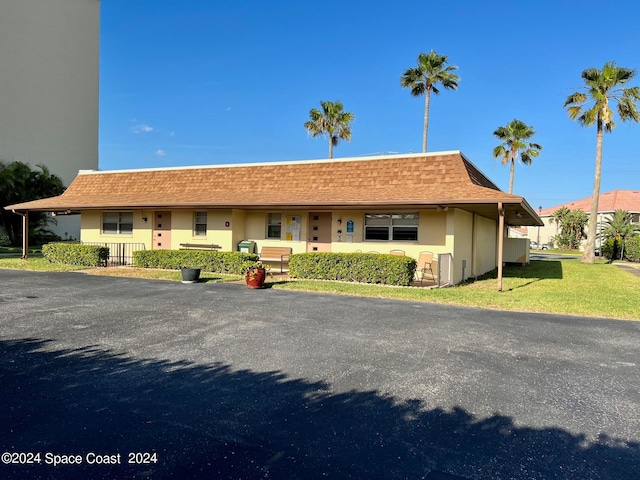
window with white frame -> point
(200, 224)
(274, 225)
(117, 223)
(391, 226)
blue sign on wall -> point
(350, 226)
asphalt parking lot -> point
(128, 378)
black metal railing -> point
(119, 253)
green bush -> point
(5, 241)
(76, 254)
(354, 267)
(209, 261)
(611, 249)
(632, 249)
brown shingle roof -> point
(416, 179)
(628, 200)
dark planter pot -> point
(190, 275)
(255, 277)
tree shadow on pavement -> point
(211, 421)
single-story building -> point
(438, 202)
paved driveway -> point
(219, 381)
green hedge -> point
(354, 267)
(632, 249)
(76, 254)
(209, 261)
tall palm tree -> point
(332, 121)
(514, 138)
(602, 88)
(432, 69)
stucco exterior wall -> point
(467, 237)
(463, 244)
(91, 230)
(485, 251)
(182, 229)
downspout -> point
(500, 243)
(25, 233)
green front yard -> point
(549, 286)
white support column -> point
(25, 235)
(500, 243)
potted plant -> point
(256, 275)
(190, 275)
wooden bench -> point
(199, 246)
(275, 254)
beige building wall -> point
(92, 229)
(485, 248)
(49, 54)
(467, 237)
(463, 244)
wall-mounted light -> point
(339, 221)
(144, 219)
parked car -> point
(535, 246)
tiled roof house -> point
(608, 202)
(438, 202)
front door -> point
(319, 232)
(161, 231)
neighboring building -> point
(49, 53)
(609, 202)
(438, 202)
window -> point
(391, 226)
(117, 223)
(199, 224)
(274, 225)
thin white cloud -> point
(141, 128)
(161, 153)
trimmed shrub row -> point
(220, 262)
(632, 249)
(76, 254)
(354, 267)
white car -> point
(535, 246)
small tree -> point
(572, 223)
(514, 144)
(331, 121)
(18, 184)
(620, 228)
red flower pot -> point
(255, 277)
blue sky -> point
(212, 82)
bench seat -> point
(275, 254)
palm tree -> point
(620, 228)
(514, 138)
(559, 215)
(333, 121)
(601, 88)
(432, 70)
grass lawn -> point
(544, 286)
(157, 274)
(35, 263)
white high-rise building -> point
(49, 75)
